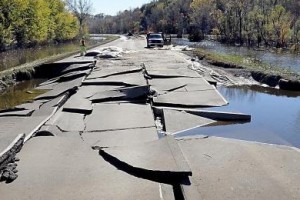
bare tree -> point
(81, 9)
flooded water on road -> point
(275, 116)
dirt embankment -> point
(27, 71)
(276, 80)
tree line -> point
(31, 22)
(162, 15)
(252, 22)
(245, 22)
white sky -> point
(111, 7)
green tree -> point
(7, 8)
(279, 28)
(67, 27)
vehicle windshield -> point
(155, 36)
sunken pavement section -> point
(106, 129)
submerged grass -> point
(235, 61)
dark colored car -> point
(155, 39)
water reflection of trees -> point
(243, 93)
(250, 93)
(19, 94)
(8, 101)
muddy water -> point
(275, 116)
(20, 93)
(284, 60)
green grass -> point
(235, 61)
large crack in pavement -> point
(120, 119)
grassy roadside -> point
(234, 61)
(7, 75)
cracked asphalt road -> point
(103, 142)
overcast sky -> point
(111, 7)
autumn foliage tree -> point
(30, 22)
(253, 22)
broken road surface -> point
(104, 131)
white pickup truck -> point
(155, 39)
